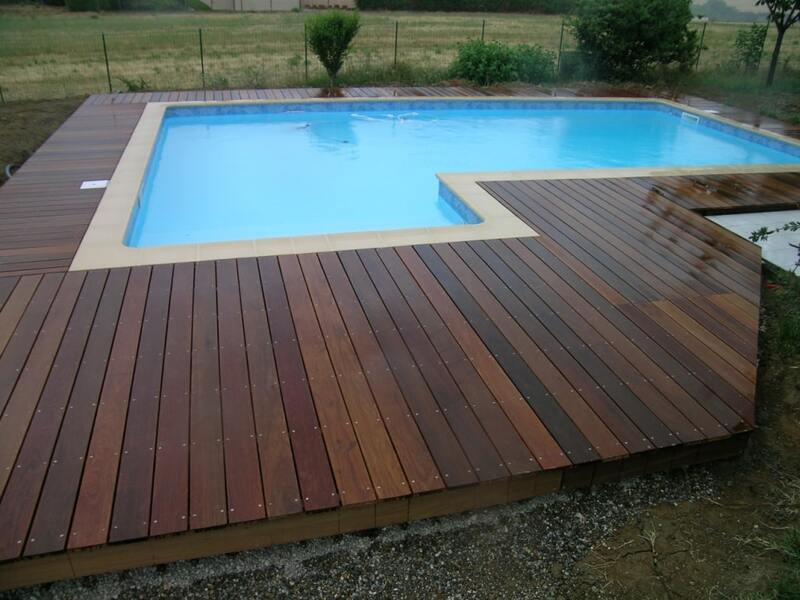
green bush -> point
(628, 39)
(535, 64)
(748, 46)
(487, 63)
(330, 34)
(532, 6)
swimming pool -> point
(248, 171)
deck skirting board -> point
(303, 526)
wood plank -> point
(515, 454)
(242, 469)
(346, 457)
(279, 480)
(704, 311)
(692, 263)
(130, 518)
(20, 344)
(660, 367)
(744, 366)
(170, 506)
(722, 387)
(90, 523)
(747, 316)
(22, 403)
(207, 500)
(482, 454)
(18, 503)
(593, 258)
(7, 285)
(664, 398)
(313, 468)
(382, 462)
(54, 513)
(703, 352)
(445, 447)
(15, 306)
(652, 217)
(419, 463)
(544, 447)
(562, 411)
(567, 351)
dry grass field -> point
(50, 53)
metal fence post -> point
(105, 54)
(202, 57)
(483, 29)
(305, 48)
(700, 45)
(396, 28)
(560, 49)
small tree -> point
(748, 46)
(330, 34)
(784, 13)
(625, 39)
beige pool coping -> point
(103, 244)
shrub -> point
(532, 6)
(485, 63)
(627, 39)
(329, 35)
(535, 64)
(748, 46)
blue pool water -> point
(238, 172)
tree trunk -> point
(776, 52)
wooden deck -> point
(299, 396)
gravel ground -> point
(529, 549)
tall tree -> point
(784, 13)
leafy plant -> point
(762, 234)
(535, 64)
(748, 45)
(330, 35)
(626, 39)
(134, 85)
(485, 63)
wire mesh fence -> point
(242, 55)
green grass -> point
(781, 101)
(50, 53)
(787, 584)
(786, 297)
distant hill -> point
(732, 10)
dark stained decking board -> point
(147, 401)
